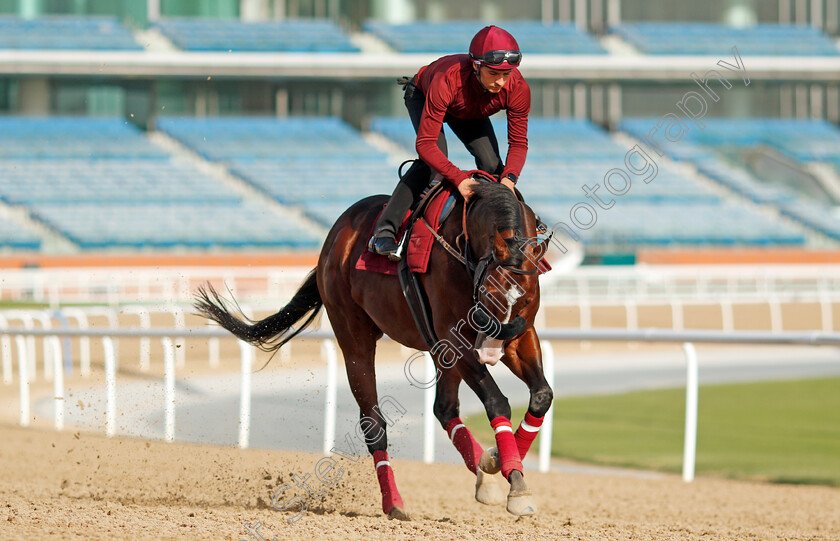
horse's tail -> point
(271, 333)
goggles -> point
(496, 58)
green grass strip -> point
(781, 431)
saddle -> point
(416, 244)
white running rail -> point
(166, 335)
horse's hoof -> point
(398, 513)
(521, 504)
(487, 490)
(489, 461)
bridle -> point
(478, 271)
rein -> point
(477, 271)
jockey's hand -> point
(465, 188)
(509, 183)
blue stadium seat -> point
(310, 162)
(66, 32)
(189, 225)
(304, 35)
(16, 237)
(533, 37)
(565, 155)
(802, 140)
(815, 215)
(102, 184)
(682, 38)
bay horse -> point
(483, 301)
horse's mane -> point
(501, 204)
(502, 208)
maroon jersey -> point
(452, 88)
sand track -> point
(67, 486)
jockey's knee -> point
(541, 401)
(489, 162)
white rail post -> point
(539, 319)
(110, 386)
(331, 355)
(585, 321)
(44, 320)
(585, 314)
(827, 314)
(213, 347)
(776, 322)
(29, 324)
(428, 411)
(631, 311)
(169, 388)
(727, 314)
(58, 382)
(113, 323)
(23, 374)
(145, 341)
(6, 352)
(247, 356)
(546, 433)
(690, 445)
(677, 315)
(181, 343)
(84, 341)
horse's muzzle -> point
(500, 331)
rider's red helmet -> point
(495, 48)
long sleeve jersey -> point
(452, 88)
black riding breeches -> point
(476, 134)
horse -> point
(483, 301)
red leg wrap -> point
(464, 442)
(390, 495)
(527, 432)
(506, 443)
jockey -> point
(463, 91)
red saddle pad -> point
(419, 246)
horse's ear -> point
(500, 248)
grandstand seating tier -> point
(17, 237)
(800, 140)
(533, 37)
(313, 163)
(102, 184)
(719, 39)
(304, 35)
(66, 32)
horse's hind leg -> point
(357, 335)
(446, 409)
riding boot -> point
(406, 194)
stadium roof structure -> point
(355, 66)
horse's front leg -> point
(519, 501)
(524, 357)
